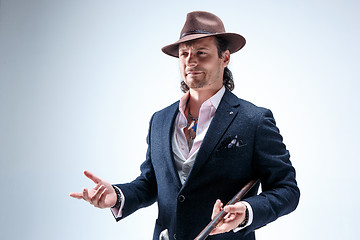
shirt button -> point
(181, 198)
(182, 147)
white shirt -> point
(185, 157)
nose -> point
(191, 60)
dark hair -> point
(228, 81)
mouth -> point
(193, 73)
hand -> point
(102, 195)
(235, 216)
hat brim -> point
(235, 41)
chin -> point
(199, 86)
(195, 83)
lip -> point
(193, 73)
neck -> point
(198, 97)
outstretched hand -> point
(234, 217)
(102, 195)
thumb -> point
(235, 208)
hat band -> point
(195, 32)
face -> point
(200, 65)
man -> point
(204, 148)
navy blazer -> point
(219, 172)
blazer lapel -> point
(223, 117)
(168, 128)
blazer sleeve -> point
(280, 194)
(141, 192)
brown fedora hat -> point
(204, 24)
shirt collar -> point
(214, 100)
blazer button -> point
(174, 236)
(181, 198)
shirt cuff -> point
(251, 216)
(117, 212)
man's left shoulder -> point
(244, 106)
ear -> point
(226, 58)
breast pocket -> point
(234, 151)
(233, 162)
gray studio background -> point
(79, 81)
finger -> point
(96, 197)
(101, 199)
(91, 176)
(230, 217)
(220, 229)
(227, 216)
(213, 232)
(86, 195)
(77, 195)
(230, 221)
(97, 186)
(217, 208)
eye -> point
(201, 53)
(183, 54)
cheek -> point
(182, 68)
